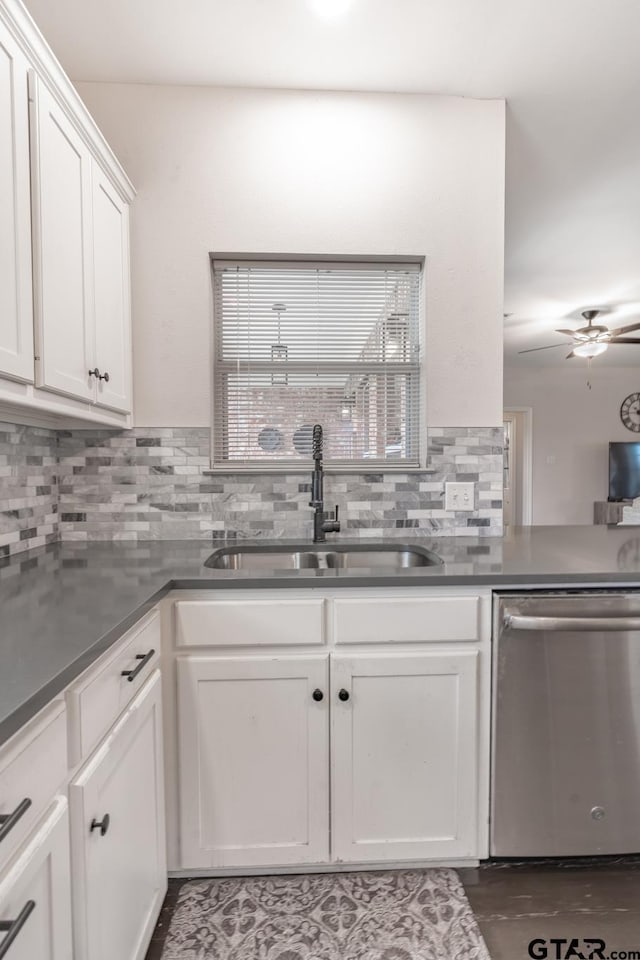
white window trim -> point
(345, 469)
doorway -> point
(517, 467)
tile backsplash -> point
(28, 488)
(149, 483)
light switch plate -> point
(459, 496)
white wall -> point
(303, 172)
(572, 427)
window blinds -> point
(302, 343)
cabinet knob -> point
(101, 825)
(343, 695)
(318, 695)
(99, 376)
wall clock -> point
(630, 412)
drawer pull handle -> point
(13, 927)
(144, 660)
(318, 695)
(101, 825)
(343, 695)
(9, 820)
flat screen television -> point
(624, 471)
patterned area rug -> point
(386, 915)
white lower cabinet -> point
(254, 760)
(118, 842)
(267, 748)
(404, 741)
(35, 905)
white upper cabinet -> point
(65, 325)
(81, 264)
(111, 293)
(61, 177)
(16, 313)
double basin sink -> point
(355, 557)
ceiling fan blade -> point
(568, 333)
(569, 355)
(550, 346)
(630, 327)
(625, 340)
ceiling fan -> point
(593, 339)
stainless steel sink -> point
(262, 558)
(381, 556)
(345, 557)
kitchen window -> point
(299, 342)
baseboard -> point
(320, 868)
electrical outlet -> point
(459, 496)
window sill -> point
(304, 471)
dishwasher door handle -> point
(518, 621)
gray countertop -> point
(63, 605)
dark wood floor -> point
(157, 941)
(515, 904)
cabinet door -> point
(118, 836)
(404, 756)
(111, 293)
(254, 761)
(61, 192)
(35, 904)
(16, 313)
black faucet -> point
(321, 525)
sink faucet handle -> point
(332, 525)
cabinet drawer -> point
(100, 696)
(33, 766)
(250, 623)
(406, 620)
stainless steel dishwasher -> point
(566, 724)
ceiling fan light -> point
(592, 349)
